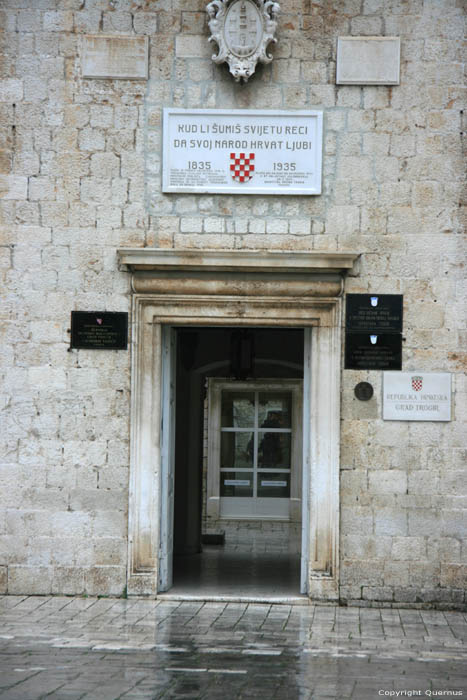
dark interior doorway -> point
(241, 556)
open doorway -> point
(238, 461)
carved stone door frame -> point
(238, 288)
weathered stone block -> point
(58, 21)
(390, 521)
(13, 187)
(105, 580)
(145, 22)
(28, 580)
(365, 547)
(406, 595)
(454, 524)
(191, 46)
(362, 572)
(392, 481)
(356, 520)
(68, 580)
(109, 551)
(397, 574)
(28, 20)
(101, 116)
(378, 593)
(72, 525)
(117, 21)
(409, 548)
(105, 165)
(454, 575)
(424, 574)
(191, 225)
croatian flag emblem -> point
(417, 383)
(242, 166)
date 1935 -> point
(284, 167)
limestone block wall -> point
(80, 167)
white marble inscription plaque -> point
(242, 151)
(368, 60)
(417, 396)
(124, 57)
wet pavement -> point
(107, 648)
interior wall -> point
(202, 353)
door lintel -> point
(192, 260)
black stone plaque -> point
(376, 313)
(362, 353)
(363, 391)
(99, 330)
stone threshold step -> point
(213, 598)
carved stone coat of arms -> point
(242, 29)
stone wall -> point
(80, 177)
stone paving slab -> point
(65, 648)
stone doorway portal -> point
(242, 289)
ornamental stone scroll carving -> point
(243, 30)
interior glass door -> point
(256, 453)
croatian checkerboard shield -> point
(242, 166)
(417, 383)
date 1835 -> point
(199, 165)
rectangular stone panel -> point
(120, 57)
(368, 60)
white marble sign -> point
(417, 396)
(122, 57)
(368, 60)
(242, 151)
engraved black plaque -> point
(99, 330)
(376, 313)
(373, 351)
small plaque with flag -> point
(425, 396)
(99, 330)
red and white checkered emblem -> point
(417, 383)
(242, 166)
